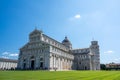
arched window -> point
(24, 60)
(79, 62)
(41, 59)
(32, 57)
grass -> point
(59, 75)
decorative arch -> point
(32, 62)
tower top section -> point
(94, 42)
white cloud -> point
(117, 60)
(109, 52)
(77, 16)
(5, 53)
(9, 55)
(15, 54)
(5, 57)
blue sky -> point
(80, 20)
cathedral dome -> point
(66, 40)
(67, 43)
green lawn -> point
(59, 75)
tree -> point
(102, 66)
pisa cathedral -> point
(45, 53)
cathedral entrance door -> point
(85, 68)
(24, 65)
(41, 65)
(32, 64)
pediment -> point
(35, 32)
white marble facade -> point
(43, 52)
(7, 64)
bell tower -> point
(94, 55)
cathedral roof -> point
(7, 60)
(35, 32)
